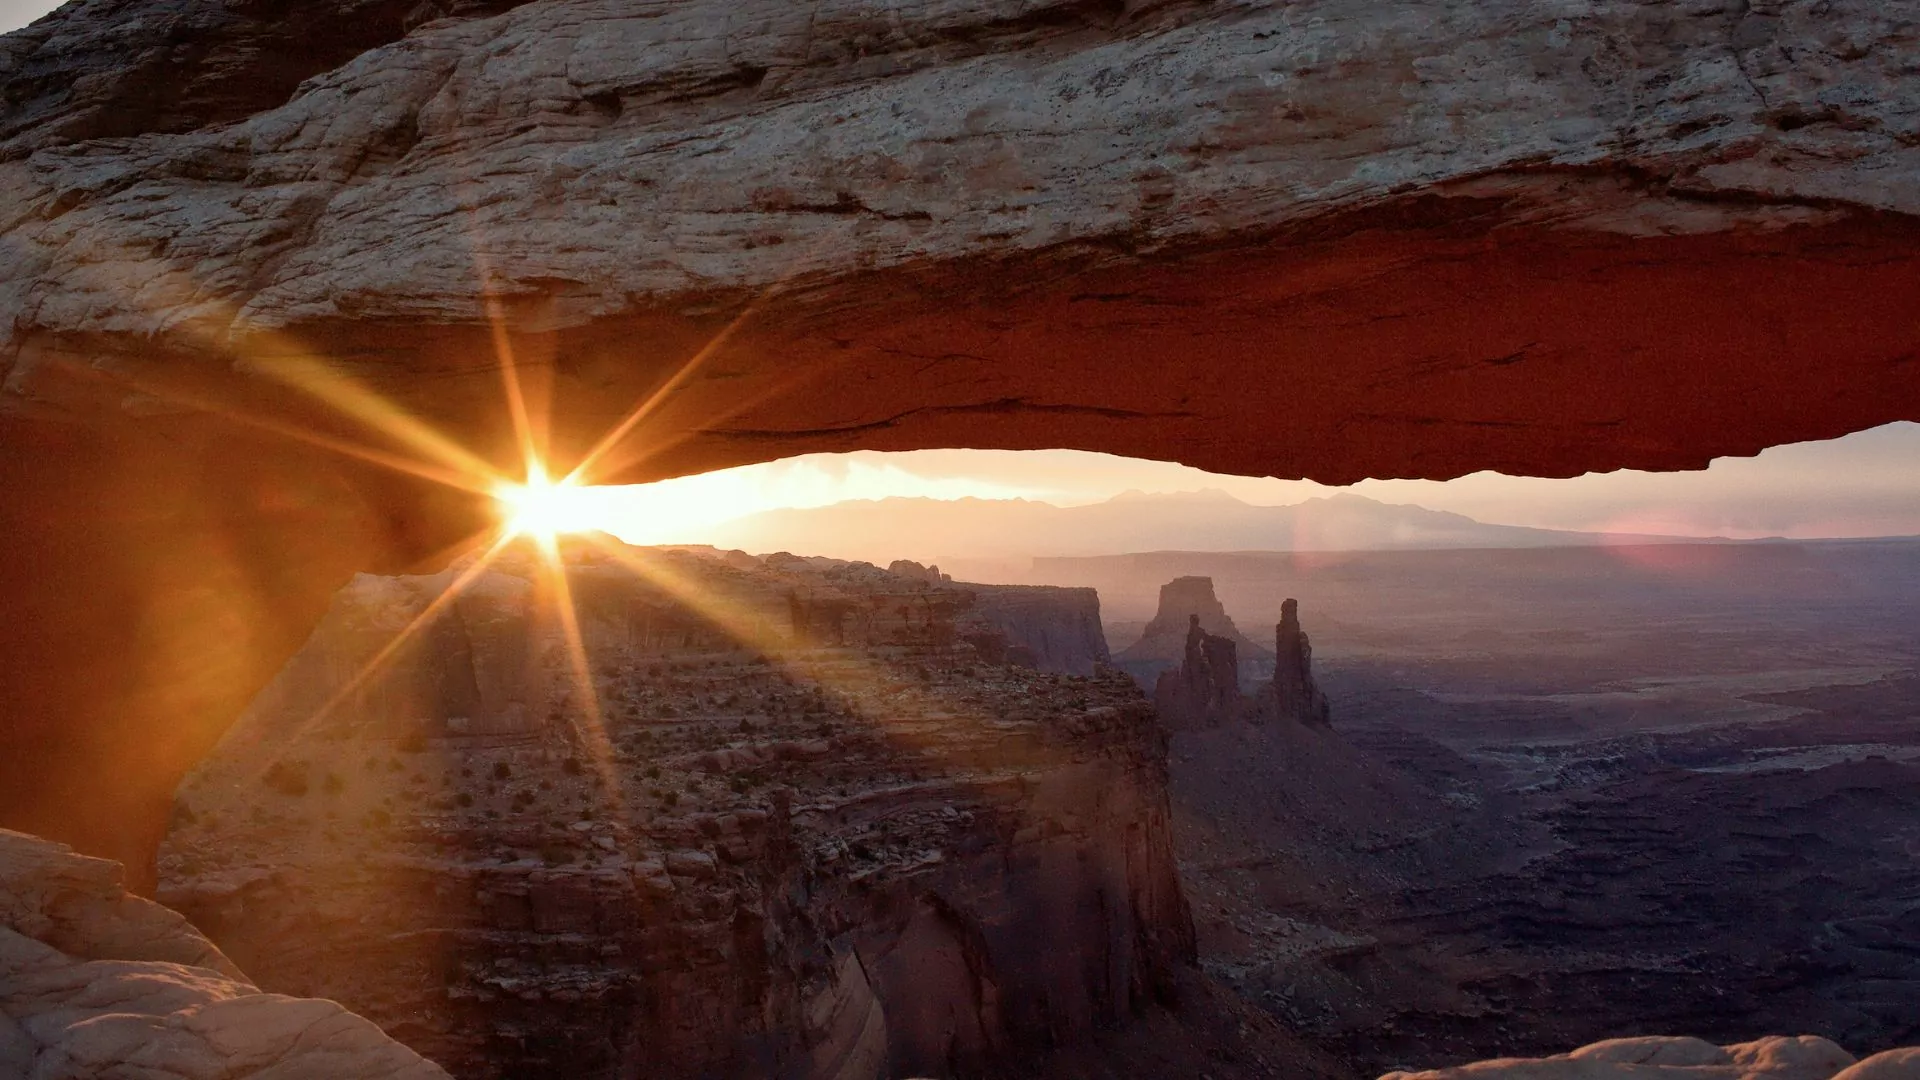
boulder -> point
(95, 982)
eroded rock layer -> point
(799, 827)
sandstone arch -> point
(1331, 239)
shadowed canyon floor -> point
(1567, 796)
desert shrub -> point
(413, 742)
(287, 777)
(463, 800)
(378, 818)
(333, 785)
(571, 766)
(502, 770)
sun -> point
(544, 508)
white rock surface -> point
(98, 983)
(1807, 1057)
(615, 149)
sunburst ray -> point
(588, 721)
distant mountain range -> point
(1210, 520)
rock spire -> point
(1295, 695)
(1204, 691)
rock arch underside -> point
(1331, 239)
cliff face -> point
(95, 982)
(1058, 628)
(754, 849)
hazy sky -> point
(1867, 484)
(15, 14)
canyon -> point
(819, 824)
(274, 272)
(245, 281)
(1566, 796)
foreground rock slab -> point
(1807, 1057)
(95, 982)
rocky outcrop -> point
(1296, 697)
(1514, 237)
(737, 849)
(1807, 1057)
(1056, 630)
(907, 568)
(95, 982)
(1204, 691)
(1187, 603)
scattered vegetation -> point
(287, 777)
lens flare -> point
(543, 508)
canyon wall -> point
(1059, 628)
(745, 851)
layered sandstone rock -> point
(1807, 1057)
(792, 825)
(95, 982)
(1058, 629)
